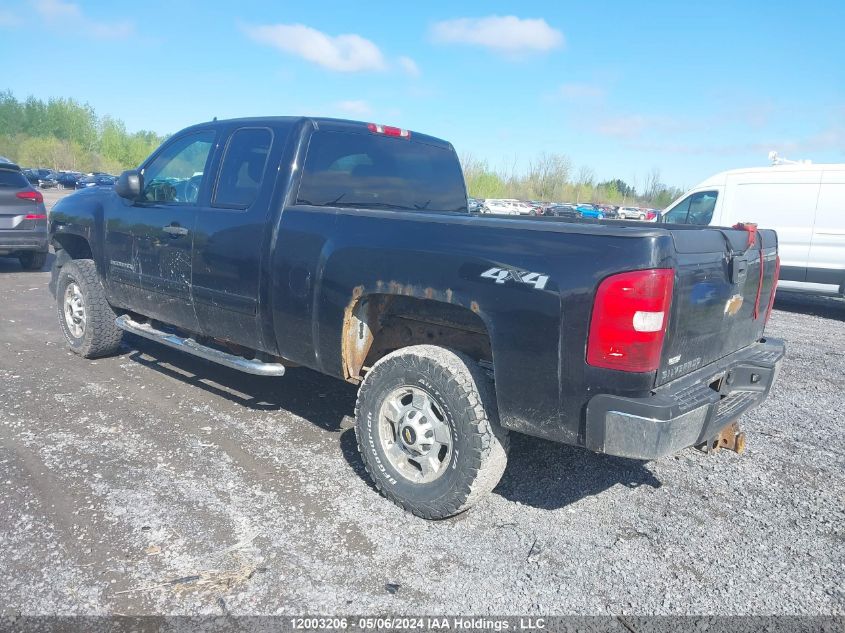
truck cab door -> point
(231, 239)
(155, 275)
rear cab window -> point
(13, 178)
(345, 169)
(696, 208)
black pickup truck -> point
(348, 248)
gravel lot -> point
(128, 472)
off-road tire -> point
(33, 260)
(464, 392)
(100, 336)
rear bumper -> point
(687, 411)
(17, 241)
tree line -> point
(554, 178)
(64, 134)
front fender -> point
(80, 216)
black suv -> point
(23, 219)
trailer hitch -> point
(730, 437)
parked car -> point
(522, 207)
(537, 207)
(804, 203)
(68, 179)
(31, 176)
(42, 177)
(610, 211)
(474, 205)
(48, 182)
(23, 219)
(631, 213)
(564, 211)
(348, 248)
(590, 211)
(501, 207)
(99, 180)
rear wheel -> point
(33, 260)
(85, 316)
(428, 431)
(641, 216)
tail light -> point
(35, 196)
(774, 289)
(35, 216)
(388, 130)
(629, 320)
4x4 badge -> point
(501, 275)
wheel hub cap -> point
(74, 310)
(415, 434)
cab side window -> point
(243, 167)
(177, 174)
(694, 209)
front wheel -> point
(428, 432)
(85, 316)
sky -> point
(687, 87)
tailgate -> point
(716, 309)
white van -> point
(804, 203)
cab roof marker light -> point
(388, 130)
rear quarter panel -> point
(538, 334)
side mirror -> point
(129, 185)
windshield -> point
(696, 208)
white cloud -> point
(830, 139)
(69, 15)
(580, 92)
(504, 34)
(409, 66)
(343, 53)
(628, 126)
(357, 107)
(633, 126)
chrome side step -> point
(256, 367)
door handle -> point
(174, 230)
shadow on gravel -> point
(13, 265)
(541, 474)
(549, 475)
(813, 305)
(321, 400)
